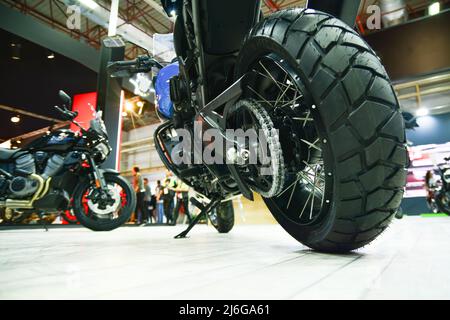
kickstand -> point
(203, 213)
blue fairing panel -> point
(162, 89)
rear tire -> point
(224, 217)
(356, 113)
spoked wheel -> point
(98, 212)
(340, 129)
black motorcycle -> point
(60, 171)
(441, 193)
(322, 100)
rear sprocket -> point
(264, 175)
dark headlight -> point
(103, 149)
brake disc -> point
(109, 209)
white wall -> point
(144, 154)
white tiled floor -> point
(411, 260)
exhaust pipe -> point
(28, 204)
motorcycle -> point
(324, 108)
(440, 201)
(60, 170)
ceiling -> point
(146, 15)
(32, 83)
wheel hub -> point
(103, 204)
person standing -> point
(430, 187)
(148, 201)
(159, 194)
(138, 184)
(169, 197)
(182, 191)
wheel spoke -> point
(270, 75)
(293, 101)
(303, 119)
(308, 114)
(307, 179)
(260, 96)
(312, 145)
(290, 186)
(304, 207)
(282, 95)
(292, 194)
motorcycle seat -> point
(8, 154)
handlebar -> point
(141, 64)
(60, 110)
(125, 63)
(68, 115)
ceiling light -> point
(434, 8)
(129, 106)
(140, 104)
(91, 4)
(15, 48)
(173, 13)
(15, 119)
(51, 55)
(422, 112)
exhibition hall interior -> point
(230, 150)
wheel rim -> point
(69, 216)
(307, 193)
(95, 210)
